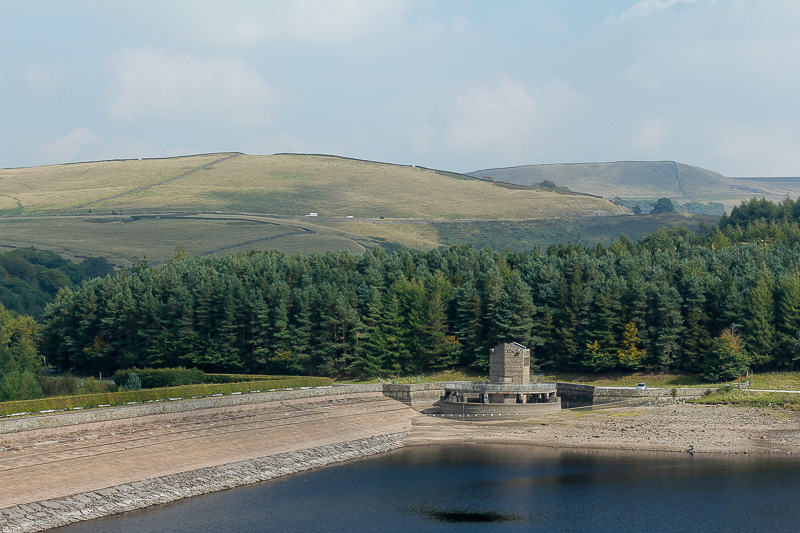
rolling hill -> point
(645, 180)
(131, 210)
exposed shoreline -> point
(134, 463)
(664, 427)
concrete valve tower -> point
(509, 391)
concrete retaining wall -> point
(69, 418)
(415, 395)
(113, 500)
(480, 410)
(604, 395)
(574, 395)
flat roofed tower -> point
(510, 362)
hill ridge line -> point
(163, 182)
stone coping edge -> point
(100, 503)
(117, 412)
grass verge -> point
(751, 399)
(630, 379)
(88, 401)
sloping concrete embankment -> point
(118, 459)
(119, 499)
(11, 425)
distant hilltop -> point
(645, 180)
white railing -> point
(485, 386)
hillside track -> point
(44, 464)
(163, 182)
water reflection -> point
(459, 516)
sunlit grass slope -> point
(287, 185)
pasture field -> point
(290, 185)
(589, 231)
(124, 240)
(73, 186)
(130, 210)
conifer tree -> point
(788, 319)
(515, 311)
(758, 328)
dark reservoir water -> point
(497, 488)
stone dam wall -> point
(113, 500)
(418, 396)
(575, 395)
(118, 412)
(604, 395)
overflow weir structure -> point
(508, 393)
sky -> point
(458, 85)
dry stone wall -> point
(114, 500)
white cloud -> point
(645, 8)
(67, 147)
(150, 84)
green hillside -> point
(284, 185)
(213, 204)
(132, 210)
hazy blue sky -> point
(458, 85)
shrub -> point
(133, 382)
(59, 385)
(727, 359)
(18, 385)
(152, 378)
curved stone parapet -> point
(477, 411)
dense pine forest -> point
(29, 279)
(716, 302)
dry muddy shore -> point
(666, 427)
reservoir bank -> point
(58, 475)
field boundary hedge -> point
(108, 399)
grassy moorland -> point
(124, 240)
(230, 202)
(134, 209)
(647, 180)
(289, 185)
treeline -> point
(30, 279)
(660, 303)
(761, 209)
(19, 361)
